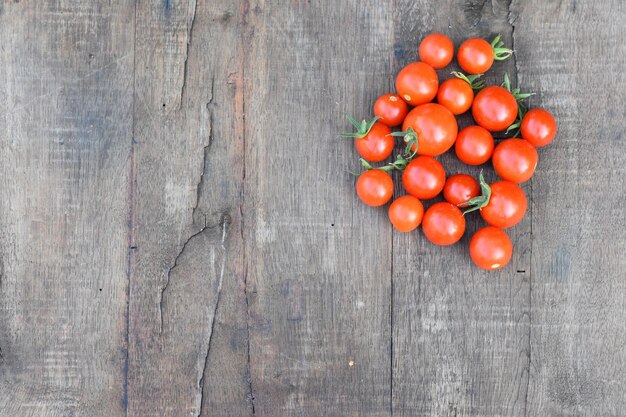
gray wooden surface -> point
(179, 235)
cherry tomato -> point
(538, 127)
(406, 213)
(476, 55)
(515, 160)
(376, 145)
(455, 95)
(374, 187)
(474, 145)
(435, 126)
(417, 83)
(494, 108)
(507, 205)
(424, 177)
(491, 248)
(391, 109)
(460, 188)
(443, 224)
(436, 50)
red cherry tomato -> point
(515, 160)
(391, 109)
(417, 83)
(377, 145)
(474, 145)
(455, 95)
(491, 248)
(435, 126)
(460, 188)
(475, 56)
(436, 50)
(494, 108)
(507, 205)
(374, 187)
(424, 177)
(443, 224)
(406, 213)
(538, 127)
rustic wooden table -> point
(180, 235)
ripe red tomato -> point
(424, 177)
(474, 145)
(538, 127)
(491, 248)
(436, 50)
(515, 160)
(374, 187)
(435, 126)
(391, 109)
(460, 188)
(417, 83)
(455, 95)
(494, 108)
(443, 224)
(507, 205)
(406, 213)
(476, 55)
(376, 145)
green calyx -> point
(517, 125)
(362, 128)
(516, 92)
(481, 201)
(500, 53)
(410, 138)
(398, 165)
(473, 80)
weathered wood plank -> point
(578, 247)
(317, 260)
(460, 335)
(187, 266)
(65, 123)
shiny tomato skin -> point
(377, 145)
(474, 145)
(443, 224)
(405, 213)
(538, 127)
(475, 56)
(436, 128)
(460, 188)
(515, 160)
(391, 109)
(507, 205)
(437, 50)
(417, 83)
(491, 248)
(424, 177)
(455, 95)
(374, 187)
(494, 108)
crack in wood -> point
(205, 151)
(190, 22)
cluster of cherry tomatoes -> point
(430, 129)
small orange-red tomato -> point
(515, 160)
(391, 109)
(376, 145)
(374, 187)
(436, 128)
(424, 177)
(460, 188)
(475, 56)
(474, 145)
(417, 83)
(436, 50)
(507, 205)
(406, 213)
(538, 127)
(494, 108)
(455, 95)
(443, 224)
(491, 248)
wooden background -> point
(179, 235)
